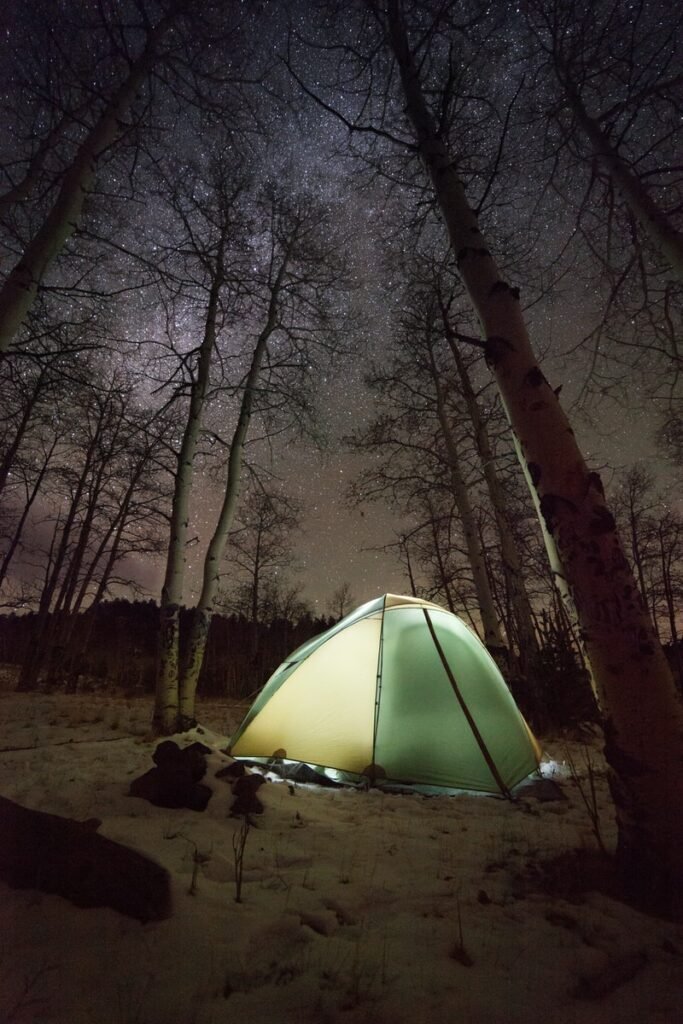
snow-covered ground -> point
(356, 906)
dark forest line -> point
(114, 645)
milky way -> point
(284, 135)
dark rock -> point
(248, 784)
(199, 797)
(68, 858)
(146, 786)
(243, 806)
(246, 802)
(168, 787)
(175, 780)
(200, 748)
(191, 760)
(167, 752)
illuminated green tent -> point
(399, 691)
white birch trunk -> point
(21, 285)
(166, 707)
(643, 712)
(203, 613)
(512, 563)
(444, 580)
(493, 637)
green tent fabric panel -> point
(422, 734)
(323, 712)
(486, 694)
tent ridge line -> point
(465, 710)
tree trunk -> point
(512, 563)
(493, 638)
(115, 531)
(203, 613)
(28, 505)
(21, 285)
(444, 582)
(642, 712)
(636, 553)
(20, 192)
(12, 449)
(33, 656)
(166, 707)
(409, 569)
(652, 219)
(88, 517)
(39, 646)
(57, 638)
(667, 585)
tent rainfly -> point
(399, 691)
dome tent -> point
(399, 691)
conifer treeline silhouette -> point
(114, 644)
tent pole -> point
(378, 688)
(466, 711)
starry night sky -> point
(309, 145)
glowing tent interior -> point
(399, 691)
